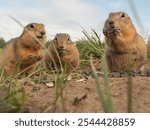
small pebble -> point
(50, 85)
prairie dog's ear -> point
(123, 15)
(110, 14)
(68, 39)
(30, 26)
(55, 39)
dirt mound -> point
(83, 97)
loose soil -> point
(83, 97)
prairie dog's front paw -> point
(34, 58)
(39, 58)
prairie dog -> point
(123, 43)
(62, 51)
(20, 54)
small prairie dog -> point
(20, 54)
(62, 51)
(124, 45)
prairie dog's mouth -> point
(60, 49)
(112, 31)
(39, 37)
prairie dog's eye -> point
(123, 15)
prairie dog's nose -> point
(61, 47)
(42, 32)
(112, 27)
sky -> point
(68, 16)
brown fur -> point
(21, 53)
(62, 47)
(124, 45)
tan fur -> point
(21, 53)
(68, 54)
(124, 45)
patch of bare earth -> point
(83, 97)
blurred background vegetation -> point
(2, 42)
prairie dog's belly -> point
(121, 62)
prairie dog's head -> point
(118, 24)
(61, 41)
(35, 31)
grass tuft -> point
(91, 44)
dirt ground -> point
(82, 96)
